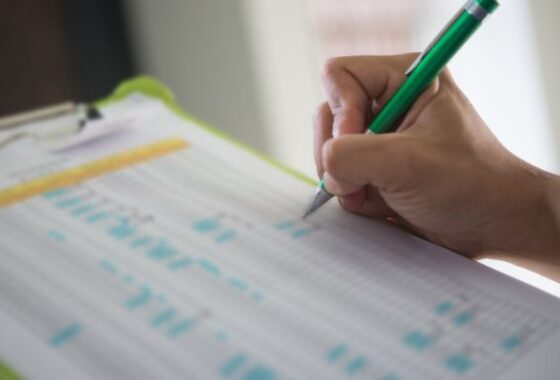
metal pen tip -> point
(320, 197)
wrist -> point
(529, 231)
(546, 231)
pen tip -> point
(319, 198)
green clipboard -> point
(151, 87)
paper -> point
(196, 265)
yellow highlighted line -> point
(6, 373)
(83, 172)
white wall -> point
(244, 66)
(200, 49)
(283, 50)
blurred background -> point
(250, 67)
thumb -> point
(386, 161)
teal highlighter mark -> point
(355, 366)
(443, 308)
(284, 225)
(65, 335)
(180, 328)
(301, 232)
(57, 236)
(237, 283)
(81, 210)
(128, 279)
(98, 216)
(233, 364)
(55, 193)
(257, 296)
(161, 298)
(209, 267)
(206, 225)
(163, 317)
(108, 266)
(458, 363)
(511, 343)
(180, 263)
(141, 241)
(221, 336)
(68, 203)
(390, 376)
(335, 353)
(417, 340)
(462, 318)
(225, 236)
(122, 230)
(260, 372)
(161, 251)
(140, 299)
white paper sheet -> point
(196, 265)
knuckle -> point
(403, 61)
(409, 57)
(433, 89)
(446, 83)
(446, 74)
(330, 67)
(331, 155)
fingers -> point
(352, 83)
(356, 88)
(322, 131)
(386, 162)
(367, 201)
(322, 127)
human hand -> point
(442, 174)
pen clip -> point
(435, 40)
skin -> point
(443, 174)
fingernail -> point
(336, 132)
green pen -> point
(421, 73)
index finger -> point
(353, 82)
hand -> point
(443, 174)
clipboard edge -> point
(152, 87)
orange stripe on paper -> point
(92, 169)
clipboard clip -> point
(50, 122)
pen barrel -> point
(425, 72)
